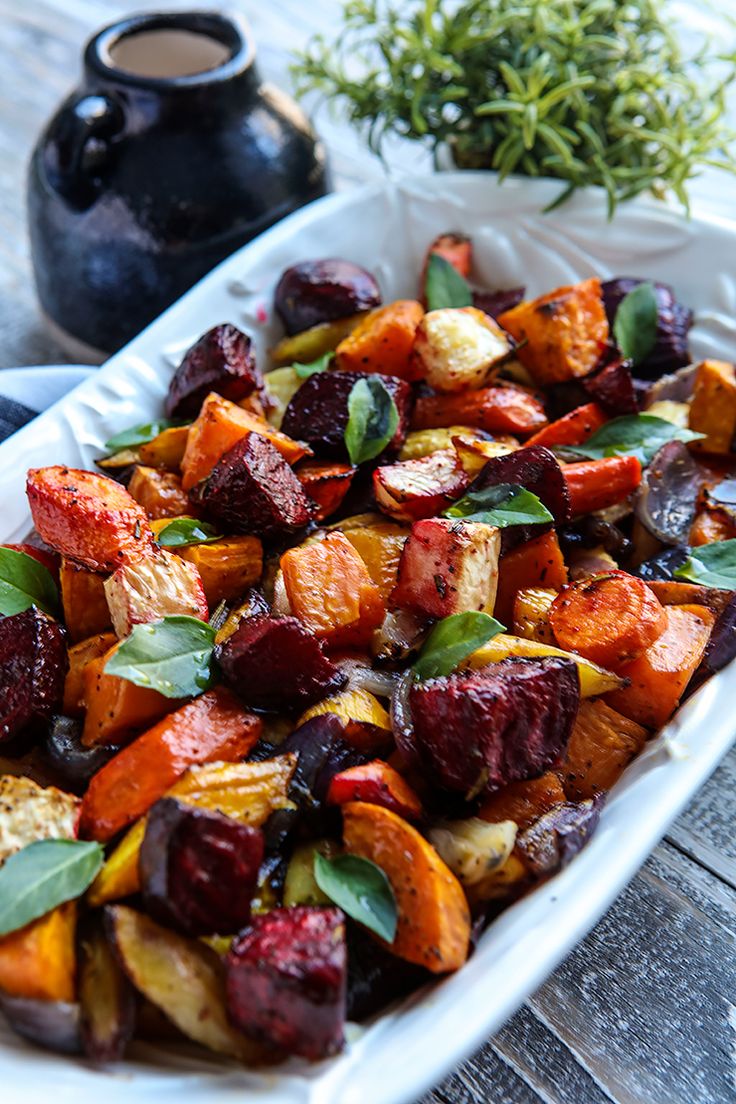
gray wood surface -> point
(641, 1012)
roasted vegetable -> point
(448, 566)
(309, 345)
(598, 484)
(226, 567)
(601, 746)
(115, 708)
(319, 291)
(524, 802)
(572, 429)
(537, 562)
(384, 341)
(151, 587)
(713, 407)
(31, 812)
(366, 723)
(79, 656)
(106, 997)
(531, 614)
(221, 360)
(286, 980)
(83, 601)
(476, 851)
(497, 303)
(666, 498)
(670, 349)
(159, 492)
(499, 409)
(613, 389)
(166, 450)
(326, 484)
(456, 249)
(379, 546)
(51, 1024)
(71, 762)
(593, 679)
(39, 961)
(458, 348)
(557, 837)
(33, 665)
(375, 976)
(420, 488)
(537, 469)
(376, 783)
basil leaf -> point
(639, 435)
(712, 565)
(635, 324)
(503, 505)
(372, 420)
(24, 582)
(361, 889)
(172, 655)
(444, 286)
(184, 531)
(452, 640)
(142, 434)
(321, 364)
(43, 875)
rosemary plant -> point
(590, 91)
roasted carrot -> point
(326, 483)
(602, 744)
(536, 563)
(434, 920)
(116, 709)
(86, 516)
(523, 802)
(657, 679)
(214, 726)
(456, 249)
(83, 600)
(597, 484)
(376, 783)
(383, 341)
(609, 619)
(499, 409)
(80, 655)
(39, 960)
(575, 428)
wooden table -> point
(641, 1012)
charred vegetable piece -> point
(375, 976)
(673, 323)
(376, 783)
(198, 868)
(221, 360)
(448, 566)
(275, 663)
(252, 489)
(151, 587)
(326, 484)
(664, 565)
(556, 838)
(594, 533)
(367, 724)
(286, 980)
(31, 812)
(613, 389)
(115, 707)
(524, 802)
(53, 1024)
(458, 348)
(508, 721)
(33, 665)
(79, 656)
(319, 291)
(593, 679)
(537, 469)
(476, 851)
(39, 962)
(83, 600)
(531, 614)
(602, 744)
(572, 429)
(537, 562)
(88, 517)
(420, 488)
(70, 759)
(318, 412)
(499, 409)
(496, 303)
(666, 498)
(106, 997)
(383, 342)
(379, 546)
(159, 492)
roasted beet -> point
(318, 412)
(558, 835)
(666, 499)
(33, 665)
(222, 361)
(613, 388)
(286, 978)
(496, 302)
(253, 490)
(664, 565)
(198, 868)
(70, 760)
(375, 976)
(320, 291)
(482, 729)
(671, 346)
(274, 663)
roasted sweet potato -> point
(39, 961)
(711, 525)
(448, 566)
(220, 425)
(503, 723)
(498, 409)
(326, 484)
(658, 678)
(713, 407)
(221, 360)
(314, 292)
(536, 563)
(252, 489)
(383, 342)
(150, 587)
(79, 656)
(106, 997)
(318, 412)
(88, 517)
(572, 429)
(33, 666)
(376, 783)
(379, 546)
(31, 812)
(420, 488)
(213, 726)
(593, 679)
(330, 591)
(531, 614)
(286, 980)
(83, 600)
(562, 333)
(166, 450)
(433, 916)
(458, 348)
(116, 709)
(227, 567)
(602, 744)
(367, 725)
(158, 491)
(525, 801)
(598, 484)
(180, 976)
(275, 663)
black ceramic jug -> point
(170, 155)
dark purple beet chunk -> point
(318, 412)
(252, 489)
(375, 976)
(536, 469)
(274, 663)
(33, 666)
(553, 840)
(506, 722)
(222, 361)
(670, 349)
(198, 868)
(286, 981)
(496, 302)
(321, 291)
(612, 387)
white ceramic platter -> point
(387, 228)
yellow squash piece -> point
(593, 679)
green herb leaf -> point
(24, 582)
(184, 531)
(639, 435)
(635, 324)
(503, 505)
(321, 364)
(711, 565)
(142, 434)
(43, 875)
(452, 640)
(444, 286)
(372, 420)
(361, 889)
(172, 656)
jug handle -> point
(81, 118)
